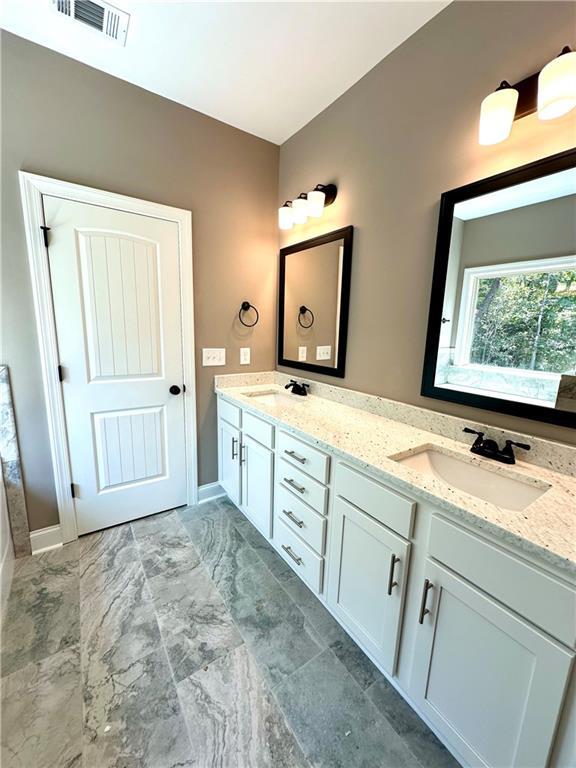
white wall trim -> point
(45, 538)
(209, 492)
(33, 188)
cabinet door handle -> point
(234, 444)
(297, 560)
(391, 582)
(242, 454)
(292, 484)
(423, 610)
(291, 516)
(295, 456)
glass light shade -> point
(497, 115)
(300, 210)
(557, 87)
(316, 200)
(285, 217)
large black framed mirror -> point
(313, 303)
(502, 322)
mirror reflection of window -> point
(509, 314)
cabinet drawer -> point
(309, 525)
(258, 430)
(302, 486)
(229, 412)
(384, 505)
(307, 564)
(540, 598)
(304, 456)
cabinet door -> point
(229, 460)
(366, 582)
(257, 463)
(488, 680)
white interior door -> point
(117, 307)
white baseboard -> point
(45, 538)
(209, 492)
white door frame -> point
(32, 188)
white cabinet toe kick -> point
(480, 640)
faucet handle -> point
(524, 446)
(473, 432)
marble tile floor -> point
(183, 640)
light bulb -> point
(557, 86)
(316, 199)
(300, 210)
(285, 217)
(497, 115)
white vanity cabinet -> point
(369, 562)
(478, 635)
(489, 681)
(246, 463)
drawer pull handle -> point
(292, 484)
(295, 456)
(391, 582)
(234, 444)
(291, 516)
(297, 560)
(423, 610)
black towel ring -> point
(244, 308)
(301, 313)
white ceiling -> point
(267, 68)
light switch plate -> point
(302, 354)
(216, 356)
(323, 353)
(244, 355)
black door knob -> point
(175, 389)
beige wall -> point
(313, 280)
(63, 119)
(393, 143)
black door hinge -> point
(73, 490)
(45, 231)
(60, 373)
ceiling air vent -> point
(100, 16)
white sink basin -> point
(274, 398)
(502, 490)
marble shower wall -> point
(12, 470)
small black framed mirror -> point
(502, 322)
(313, 303)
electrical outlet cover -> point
(323, 353)
(244, 355)
(302, 354)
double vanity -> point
(456, 575)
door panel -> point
(116, 290)
(120, 291)
(229, 451)
(487, 679)
(361, 589)
(257, 463)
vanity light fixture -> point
(557, 86)
(307, 204)
(285, 216)
(552, 93)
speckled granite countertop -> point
(546, 528)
